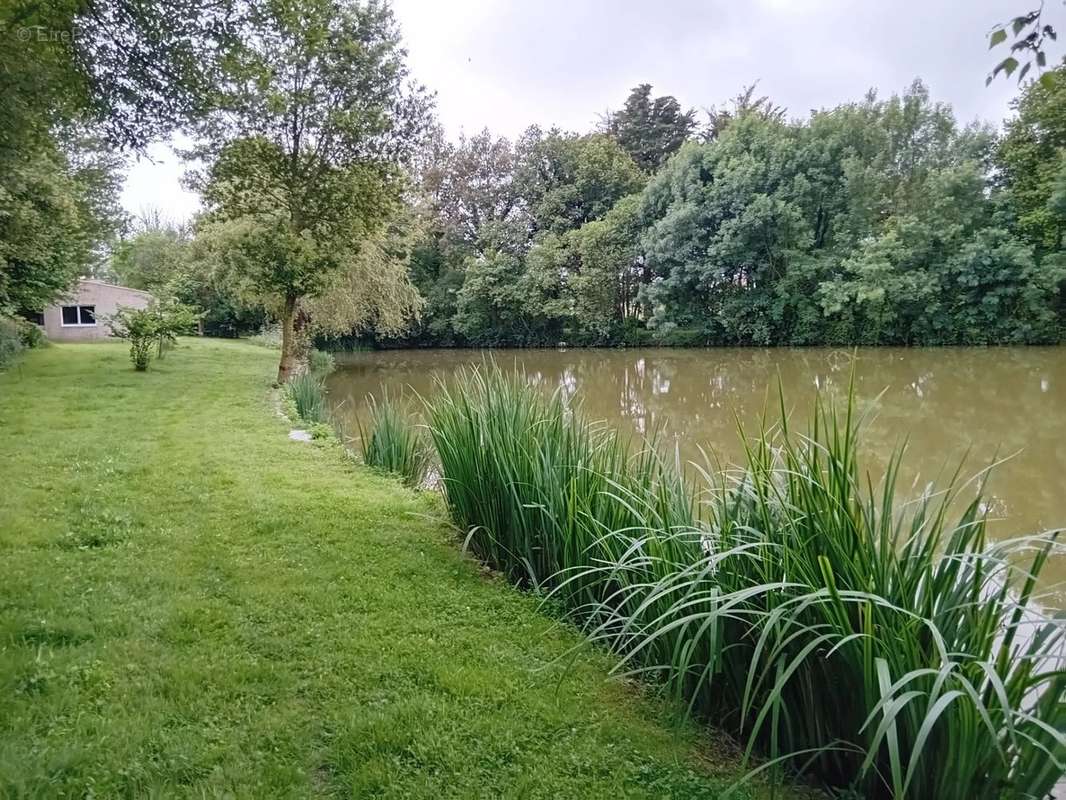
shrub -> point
(307, 396)
(159, 324)
(139, 326)
(268, 336)
(392, 442)
(172, 319)
(140, 352)
(321, 362)
(633, 333)
(883, 646)
(320, 431)
(11, 341)
(682, 337)
(31, 335)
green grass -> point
(886, 643)
(193, 605)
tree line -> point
(882, 221)
(335, 206)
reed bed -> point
(391, 441)
(307, 395)
(882, 646)
(321, 362)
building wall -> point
(105, 297)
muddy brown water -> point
(983, 404)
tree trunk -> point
(288, 340)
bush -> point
(268, 336)
(307, 396)
(320, 431)
(878, 644)
(139, 326)
(633, 333)
(159, 324)
(11, 341)
(682, 337)
(140, 351)
(392, 442)
(321, 362)
(31, 335)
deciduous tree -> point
(316, 115)
(58, 210)
(650, 129)
(1032, 157)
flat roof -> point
(99, 282)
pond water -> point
(948, 403)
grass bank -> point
(194, 606)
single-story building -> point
(86, 310)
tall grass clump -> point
(321, 362)
(883, 646)
(307, 396)
(537, 487)
(391, 441)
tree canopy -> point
(316, 114)
(650, 129)
(881, 221)
(1032, 160)
(81, 80)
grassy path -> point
(193, 605)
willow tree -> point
(305, 154)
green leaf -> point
(1041, 58)
(1025, 69)
(997, 37)
(1008, 65)
(1018, 24)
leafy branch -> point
(1031, 33)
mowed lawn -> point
(192, 605)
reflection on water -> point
(945, 402)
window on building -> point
(79, 315)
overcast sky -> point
(510, 63)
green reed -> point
(391, 441)
(321, 362)
(307, 395)
(883, 646)
(535, 487)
